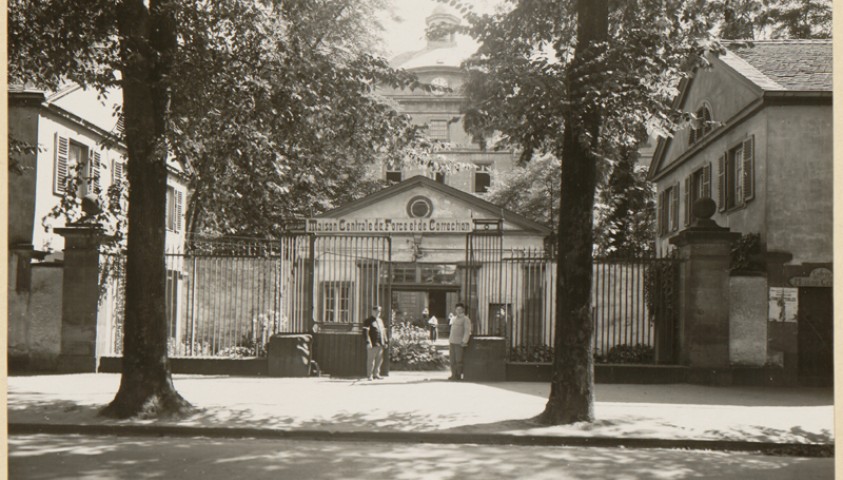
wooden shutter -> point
(661, 227)
(748, 161)
(179, 201)
(674, 208)
(706, 116)
(116, 171)
(705, 190)
(95, 160)
(60, 176)
(687, 197)
(721, 176)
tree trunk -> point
(149, 42)
(572, 385)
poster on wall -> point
(784, 303)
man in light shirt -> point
(375, 333)
(458, 340)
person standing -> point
(433, 324)
(458, 340)
(375, 333)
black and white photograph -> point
(419, 239)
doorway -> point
(816, 337)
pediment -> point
(420, 202)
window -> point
(669, 210)
(419, 207)
(70, 154)
(336, 302)
(118, 171)
(393, 176)
(736, 175)
(175, 200)
(697, 186)
(482, 178)
(439, 177)
(438, 130)
(702, 125)
(403, 273)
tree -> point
(581, 80)
(307, 108)
(625, 209)
(265, 103)
(798, 18)
(211, 83)
(531, 189)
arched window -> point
(702, 125)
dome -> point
(445, 51)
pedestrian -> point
(432, 324)
(458, 340)
(375, 333)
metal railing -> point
(218, 305)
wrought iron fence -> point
(218, 305)
(224, 304)
(633, 306)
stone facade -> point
(439, 63)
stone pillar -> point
(704, 249)
(80, 294)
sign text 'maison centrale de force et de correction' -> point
(388, 225)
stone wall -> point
(748, 320)
(34, 321)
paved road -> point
(42, 457)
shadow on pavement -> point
(42, 457)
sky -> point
(404, 24)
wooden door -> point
(816, 337)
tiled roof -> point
(793, 65)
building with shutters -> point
(438, 63)
(71, 129)
(763, 153)
(65, 131)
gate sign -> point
(819, 277)
(389, 225)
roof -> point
(788, 71)
(790, 65)
(420, 180)
(445, 56)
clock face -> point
(441, 83)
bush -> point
(628, 354)
(532, 354)
(410, 349)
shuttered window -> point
(117, 171)
(697, 186)
(702, 125)
(669, 210)
(175, 209)
(737, 175)
(93, 182)
(60, 174)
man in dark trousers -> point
(375, 333)
(458, 340)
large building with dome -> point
(438, 62)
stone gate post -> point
(80, 298)
(704, 251)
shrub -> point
(532, 354)
(410, 349)
(638, 353)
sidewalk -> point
(425, 407)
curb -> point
(767, 448)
